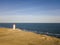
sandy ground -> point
(19, 37)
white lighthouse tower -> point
(14, 26)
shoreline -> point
(17, 37)
(42, 33)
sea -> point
(51, 29)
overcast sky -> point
(30, 11)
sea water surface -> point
(52, 29)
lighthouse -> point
(14, 26)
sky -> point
(29, 11)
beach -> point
(8, 36)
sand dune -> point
(19, 37)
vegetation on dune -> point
(18, 37)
